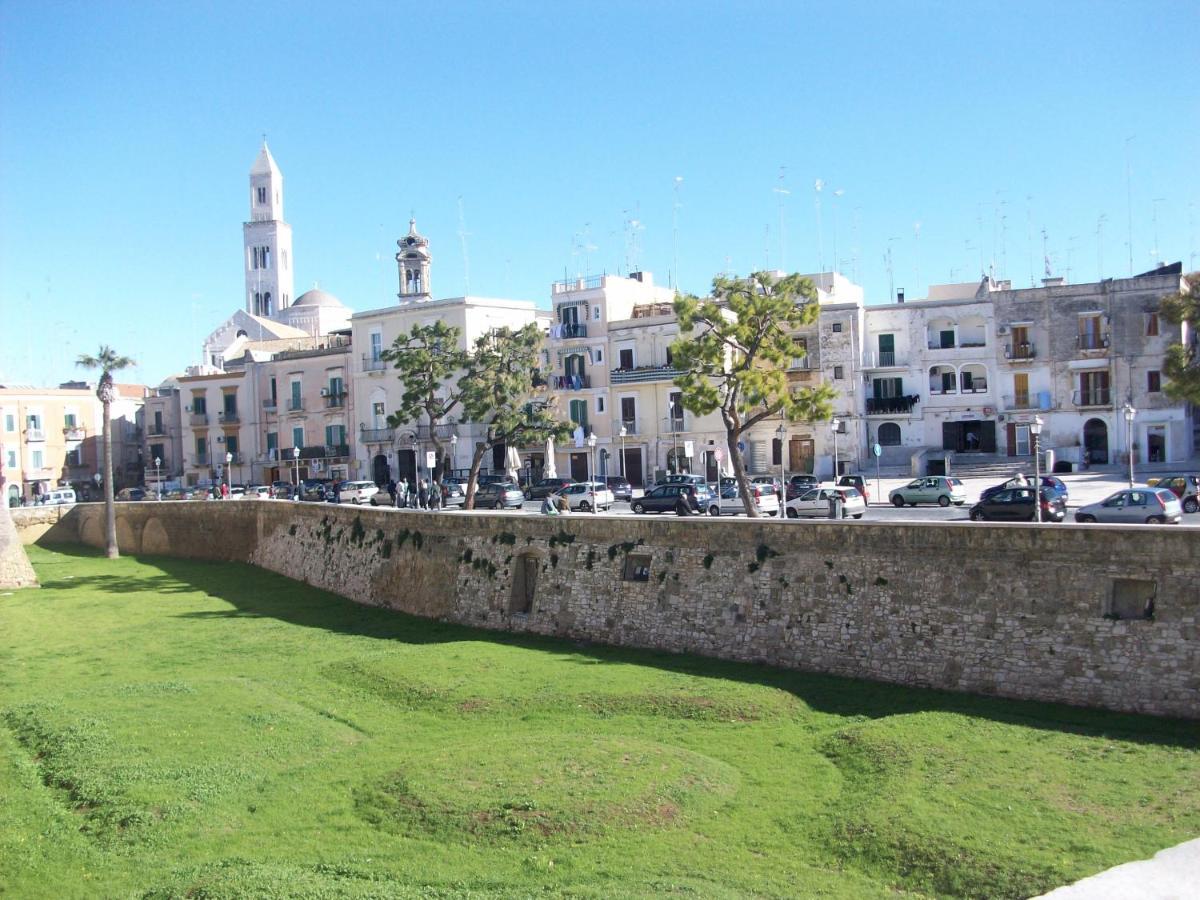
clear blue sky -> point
(127, 131)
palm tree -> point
(107, 361)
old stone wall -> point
(1095, 616)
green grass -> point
(174, 728)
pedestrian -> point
(402, 492)
(682, 506)
(422, 495)
(337, 492)
(435, 496)
(564, 505)
(549, 506)
(391, 489)
(1087, 458)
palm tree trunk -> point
(110, 510)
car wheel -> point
(1085, 519)
(1191, 505)
(976, 516)
(638, 508)
(858, 515)
(1156, 520)
(898, 501)
(373, 503)
(357, 501)
(943, 500)
(792, 514)
(584, 506)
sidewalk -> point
(1171, 874)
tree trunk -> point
(110, 509)
(732, 433)
(473, 475)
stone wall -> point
(1097, 616)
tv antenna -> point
(836, 196)
(1154, 221)
(463, 234)
(781, 192)
(917, 255)
(1100, 220)
(675, 207)
(818, 186)
(887, 258)
(1129, 198)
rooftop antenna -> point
(1154, 220)
(463, 234)
(887, 258)
(1191, 237)
(1070, 252)
(675, 234)
(836, 196)
(818, 186)
(632, 245)
(728, 266)
(1002, 223)
(1129, 198)
(1100, 246)
(917, 256)
(781, 192)
(588, 248)
(979, 228)
(1046, 252)
(767, 248)
(855, 250)
(1029, 236)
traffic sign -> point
(876, 449)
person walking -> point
(224, 491)
(422, 495)
(391, 489)
(682, 506)
(402, 493)
(337, 492)
(435, 496)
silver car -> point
(1143, 505)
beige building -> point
(51, 437)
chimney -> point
(900, 295)
(1056, 281)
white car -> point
(585, 496)
(358, 491)
(257, 492)
(814, 503)
(765, 499)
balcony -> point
(1023, 350)
(1093, 397)
(334, 401)
(373, 363)
(570, 382)
(74, 433)
(295, 405)
(884, 359)
(630, 426)
(1019, 401)
(567, 330)
(675, 424)
(317, 451)
(643, 374)
(228, 418)
(155, 431)
(1092, 342)
(891, 406)
(376, 435)
(443, 430)
(34, 434)
(198, 420)
(270, 404)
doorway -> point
(1156, 443)
(382, 473)
(969, 436)
(406, 465)
(633, 466)
(711, 469)
(579, 467)
(801, 455)
(1095, 441)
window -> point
(776, 452)
(889, 434)
(229, 407)
(266, 257)
(298, 436)
(675, 410)
(10, 461)
(670, 357)
(266, 304)
(376, 345)
(36, 459)
(1152, 324)
(69, 420)
(295, 402)
(838, 373)
(887, 388)
(599, 404)
(837, 327)
(262, 195)
(201, 446)
(199, 405)
(33, 422)
(10, 422)
(335, 435)
(578, 413)
(1090, 335)
(596, 313)
(599, 356)
(1153, 381)
(625, 358)
(231, 445)
(274, 391)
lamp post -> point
(835, 423)
(1035, 430)
(674, 436)
(623, 432)
(157, 476)
(229, 472)
(591, 442)
(782, 432)
(453, 448)
(296, 466)
(416, 468)
(1130, 412)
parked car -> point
(499, 495)
(588, 495)
(662, 498)
(315, 490)
(1049, 482)
(454, 492)
(281, 490)
(358, 492)
(237, 492)
(1185, 487)
(60, 497)
(180, 494)
(939, 489)
(683, 478)
(814, 503)
(620, 486)
(1149, 505)
(258, 492)
(134, 494)
(799, 484)
(495, 478)
(729, 502)
(1015, 504)
(767, 482)
(544, 487)
(858, 483)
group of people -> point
(418, 495)
(555, 505)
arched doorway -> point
(406, 465)
(382, 473)
(1095, 441)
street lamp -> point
(157, 476)
(296, 465)
(1130, 412)
(623, 432)
(674, 436)
(591, 442)
(835, 423)
(453, 448)
(229, 471)
(416, 469)
(1035, 429)
(781, 431)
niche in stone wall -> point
(1131, 598)
(524, 583)
(637, 567)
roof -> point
(318, 297)
(265, 164)
(277, 329)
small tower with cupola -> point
(413, 261)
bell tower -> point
(413, 261)
(267, 241)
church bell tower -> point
(413, 261)
(267, 241)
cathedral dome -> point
(317, 297)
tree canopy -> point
(1182, 365)
(734, 349)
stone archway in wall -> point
(1095, 441)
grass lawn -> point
(176, 728)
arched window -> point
(889, 434)
(267, 304)
(258, 304)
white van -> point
(60, 497)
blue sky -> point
(127, 131)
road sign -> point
(430, 459)
(688, 447)
(719, 453)
(876, 450)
